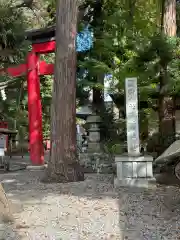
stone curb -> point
(34, 167)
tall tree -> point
(169, 17)
(166, 103)
(63, 165)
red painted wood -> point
(35, 111)
(3, 124)
(21, 70)
(45, 68)
(15, 71)
(47, 47)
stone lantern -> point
(93, 121)
(93, 160)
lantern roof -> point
(84, 112)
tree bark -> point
(63, 165)
(167, 126)
(169, 18)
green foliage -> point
(117, 149)
(13, 50)
(119, 35)
(108, 125)
(129, 44)
(51, 10)
(46, 96)
(12, 27)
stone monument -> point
(133, 169)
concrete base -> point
(130, 182)
(134, 171)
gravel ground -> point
(89, 210)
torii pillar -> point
(34, 110)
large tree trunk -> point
(167, 127)
(63, 165)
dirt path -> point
(89, 210)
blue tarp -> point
(84, 40)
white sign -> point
(132, 121)
(2, 144)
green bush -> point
(118, 149)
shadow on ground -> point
(92, 209)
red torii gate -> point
(43, 41)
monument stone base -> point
(134, 171)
